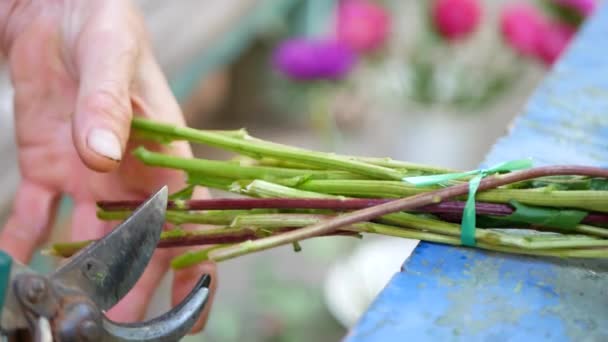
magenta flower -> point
(554, 39)
(307, 59)
(584, 7)
(362, 25)
(521, 27)
(456, 19)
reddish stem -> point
(241, 236)
(452, 209)
(253, 203)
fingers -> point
(106, 59)
(85, 224)
(30, 222)
(152, 88)
(153, 99)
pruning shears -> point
(69, 303)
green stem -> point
(272, 221)
(246, 227)
(384, 162)
(232, 170)
(408, 203)
(168, 138)
(400, 165)
(431, 237)
(264, 189)
(581, 199)
(191, 258)
(183, 238)
(363, 188)
(273, 162)
(67, 249)
(259, 148)
(219, 183)
(210, 217)
(493, 237)
(194, 257)
(266, 219)
(236, 218)
(267, 189)
(596, 200)
(587, 229)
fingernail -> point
(105, 143)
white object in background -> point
(354, 282)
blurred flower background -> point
(457, 55)
(434, 81)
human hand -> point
(80, 69)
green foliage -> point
(565, 219)
(183, 194)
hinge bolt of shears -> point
(36, 290)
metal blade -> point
(107, 269)
(172, 326)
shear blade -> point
(169, 327)
(107, 269)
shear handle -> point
(63, 314)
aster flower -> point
(554, 39)
(528, 32)
(522, 26)
(310, 59)
(456, 19)
(362, 25)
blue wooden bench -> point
(455, 294)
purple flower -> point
(308, 59)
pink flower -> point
(456, 19)
(554, 39)
(521, 27)
(531, 34)
(362, 25)
(584, 7)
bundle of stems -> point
(291, 194)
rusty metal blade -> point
(107, 269)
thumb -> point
(102, 121)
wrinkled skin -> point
(78, 66)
